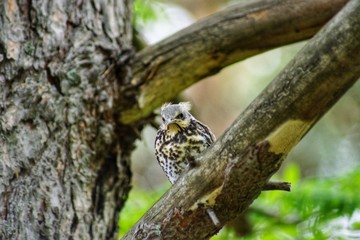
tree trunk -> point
(64, 162)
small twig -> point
(213, 217)
(284, 186)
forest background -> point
(323, 168)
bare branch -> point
(162, 71)
(232, 173)
(284, 186)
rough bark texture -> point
(235, 169)
(162, 71)
(63, 161)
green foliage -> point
(136, 206)
(356, 225)
(144, 11)
(315, 209)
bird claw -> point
(190, 159)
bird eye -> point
(163, 119)
(180, 116)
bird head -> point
(175, 116)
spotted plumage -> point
(179, 139)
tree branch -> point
(162, 71)
(233, 171)
(284, 186)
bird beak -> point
(172, 123)
(168, 122)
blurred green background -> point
(324, 168)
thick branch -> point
(232, 173)
(162, 71)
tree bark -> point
(236, 168)
(64, 160)
(162, 71)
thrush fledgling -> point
(179, 139)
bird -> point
(179, 139)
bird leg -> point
(190, 159)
